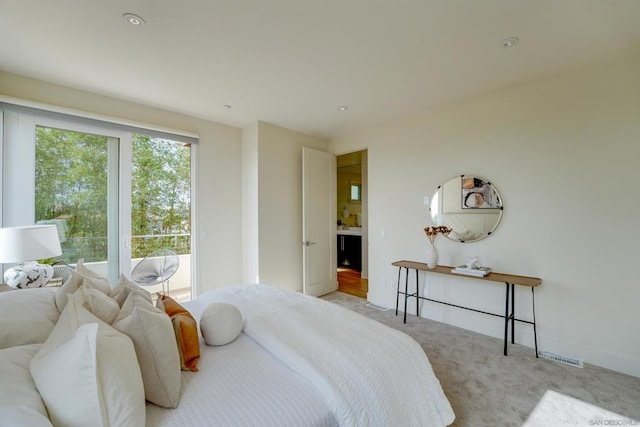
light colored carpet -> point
(486, 388)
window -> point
(72, 190)
(160, 196)
(114, 195)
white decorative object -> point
(28, 243)
(475, 271)
(432, 233)
(471, 262)
(31, 274)
(432, 256)
(220, 323)
(472, 268)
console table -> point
(509, 280)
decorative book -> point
(474, 271)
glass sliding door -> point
(115, 195)
(161, 212)
(76, 188)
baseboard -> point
(590, 355)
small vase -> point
(432, 256)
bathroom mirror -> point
(471, 206)
(355, 192)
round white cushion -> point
(220, 323)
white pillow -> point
(87, 373)
(27, 316)
(152, 333)
(71, 285)
(126, 286)
(99, 304)
(20, 403)
(220, 323)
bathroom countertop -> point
(350, 232)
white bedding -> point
(240, 384)
(300, 361)
(365, 372)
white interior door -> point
(318, 222)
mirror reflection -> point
(354, 192)
(471, 206)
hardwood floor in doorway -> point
(350, 282)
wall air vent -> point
(562, 359)
(377, 307)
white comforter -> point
(367, 373)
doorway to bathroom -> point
(352, 219)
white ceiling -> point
(294, 62)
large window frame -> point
(17, 165)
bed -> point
(298, 361)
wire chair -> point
(156, 268)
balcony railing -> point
(94, 252)
(94, 249)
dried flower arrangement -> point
(432, 232)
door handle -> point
(307, 243)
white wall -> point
(218, 181)
(280, 204)
(563, 152)
(250, 217)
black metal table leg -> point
(509, 314)
(406, 293)
(513, 314)
(417, 295)
(398, 289)
(506, 320)
(535, 336)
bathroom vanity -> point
(350, 248)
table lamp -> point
(27, 244)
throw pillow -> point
(152, 334)
(126, 286)
(220, 323)
(71, 285)
(87, 373)
(99, 304)
(20, 402)
(186, 332)
(27, 316)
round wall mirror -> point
(469, 205)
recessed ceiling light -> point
(227, 107)
(509, 42)
(343, 108)
(134, 19)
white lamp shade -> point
(29, 243)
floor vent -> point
(377, 307)
(562, 359)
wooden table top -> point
(491, 277)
